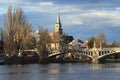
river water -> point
(67, 71)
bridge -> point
(97, 53)
(55, 52)
(94, 53)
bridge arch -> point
(54, 54)
(107, 54)
(87, 55)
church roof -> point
(67, 39)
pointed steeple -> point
(58, 19)
(58, 25)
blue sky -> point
(80, 18)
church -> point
(59, 39)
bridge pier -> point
(95, 57)
(95, 61)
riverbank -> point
(32, 60)
(18, 60)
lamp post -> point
(100, 45)
(94, 45)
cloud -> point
(50, 7)
(74, 14)
(10, 1)
(104, 17)
(83, 16)
(94, 18)
(79, 14)
(3, 11)
(46, 4)
(39, 7)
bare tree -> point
(44, 42)
(100, 39)
(16, 31)
(115, 44)
(91, 42)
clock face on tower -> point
(57, 26)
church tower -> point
(58, 25)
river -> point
(66, 71)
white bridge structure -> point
(55, 52)
(97, 53)
(94, 53)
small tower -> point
(58, 25)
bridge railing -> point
(57, 50)
(98, 51)
(86, 51)
(93, 49)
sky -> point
(80, 18)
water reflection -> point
(69, 71)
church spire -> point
(58, 19)
(58, 25)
